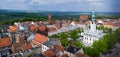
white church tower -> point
(93, 24)
(91, 34)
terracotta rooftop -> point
(33, 28)
(79, 54)
(51, 29)
(43, 27)
(4, 42)
(13, 28)
(49, 53)
(40, 38)
(26, 47)
(58, 48)
(84, 17)
(36, 43)
(111, 24)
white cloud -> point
(95, 0)
(45, 2)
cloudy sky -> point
(62, 5)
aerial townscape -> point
(61, 38)
(62, 28)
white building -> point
(91, 34)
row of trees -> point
(105, 29)
(11, 21)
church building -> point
(91, 34)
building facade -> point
(91, 34)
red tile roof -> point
(43, 27)
(26, 47)
(4, 42)
(51, 29)
(79, 54)
(36, 43)
(32, 28)
(58, 48)
(49, 53)
(83, 17)
(40, 38)
(13, 28)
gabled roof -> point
(79, 54)
(13, 28)
(43, 27)
(26, 47)
(58, 48)
(40, 38)
(49, 53)
(4, 42)
(36, 43)
(52, 29)
(84, 17)
(33, 27)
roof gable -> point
(40, 38)
(4, 42)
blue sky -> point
(62, 5)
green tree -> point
(64, 42)
(63, 35)
(74, 34)
(78, 44)
(100, 45)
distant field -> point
(12, 14)
(9, 17)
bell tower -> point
(50, 22)
(93, 24)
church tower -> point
(50, 22)
(93, 23)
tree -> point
(74, 34)
(110, 39)
(117, 34)
(78, 44)
(97, 47)
(63, 35)
(100, 45)
(64, 42)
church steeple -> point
(93, 16)
(93, 24)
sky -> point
(62, 5)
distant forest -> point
(11, 17)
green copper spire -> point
(93, 16)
